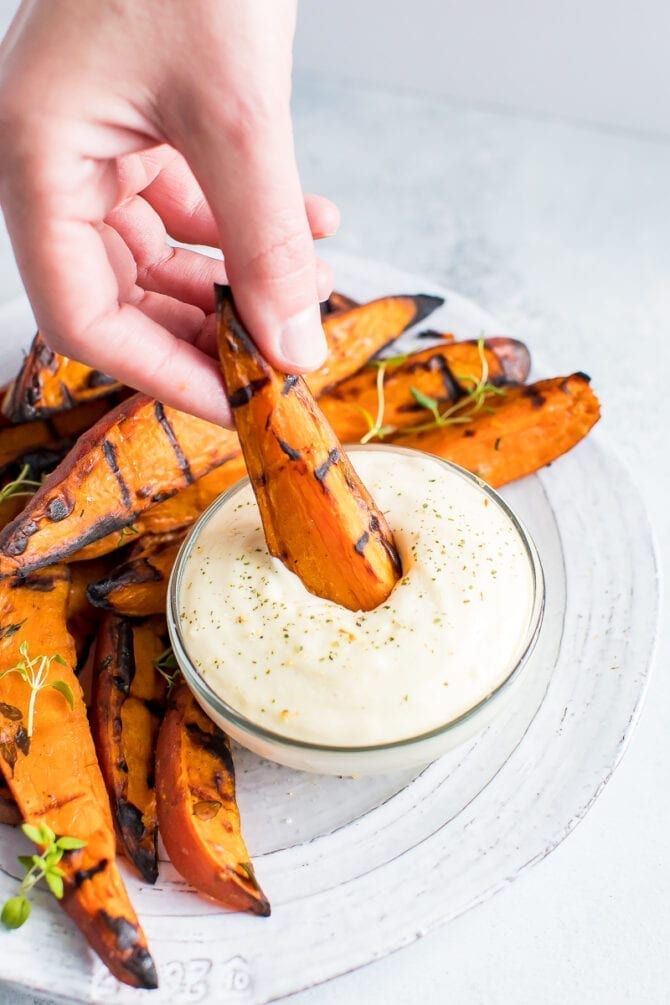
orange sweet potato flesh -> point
(82, 617)
(58, 434)
(318, 517)
(443, 372)
(138, 587)
(126, 709)
(142, 452)
(54, 775)
(197, 813)
(527, 428)
(49, 383)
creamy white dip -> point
(452, 630)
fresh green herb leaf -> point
(64, 688)
(15, 912)
(35, 672)
(167, 666)
(45, 866)
(70, 843)
(21, 486)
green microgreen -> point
(16, 910)
(129, 531)
(376, 426)
(35, 672)
(21, 486)
(167, 666)
(464, 409)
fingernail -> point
(302, 342)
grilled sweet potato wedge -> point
(18, 443)
(444, 373)
(197, 813)
(318, 517)
(49, 383)
(139, 453)
(142, 452)
(527, 428)
(127, 706)
(54, 777)
(138, 587)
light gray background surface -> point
(561, 229)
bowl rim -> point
(221, 708)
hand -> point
(121, 122)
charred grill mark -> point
(10, 712)
(387, 544)
(6, 631)
(59, 508)
(467, 433)
(8, 754)
(22, 740)
(35, 581)
(260, 481)
(97, 378)
(214, 743)
(289, 383)
(164, 423)
(243, 395)
(536, 398)
(122, 765)
(19, 542)
(130, 819)
(154, 706)
(359, 547)
(125, 657)
(80, 876)
(141, 571)
(424, 304)
(145, 858)
(138, 963)
(293, 455)
(109, 451)
(323, 469)
(67, 397)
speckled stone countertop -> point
(561, 231)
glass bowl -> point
(405, 753)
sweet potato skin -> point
(127, 705)
(318, 517)
(54, 776)
(19, 443)
(197, 813)
(49, 383)
(528, 427)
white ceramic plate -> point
(357, 868)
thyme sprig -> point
(167, 666)
(34, 671)
(465, 408)
(16, 910)
(130, 530)
(376, 427)
(21, 486)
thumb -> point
(250, 179)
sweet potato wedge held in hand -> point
(317, 515)
(127, 706)
(142, 452)
(53, 774)
(48, 383)
(197, 813)
(527, 428)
